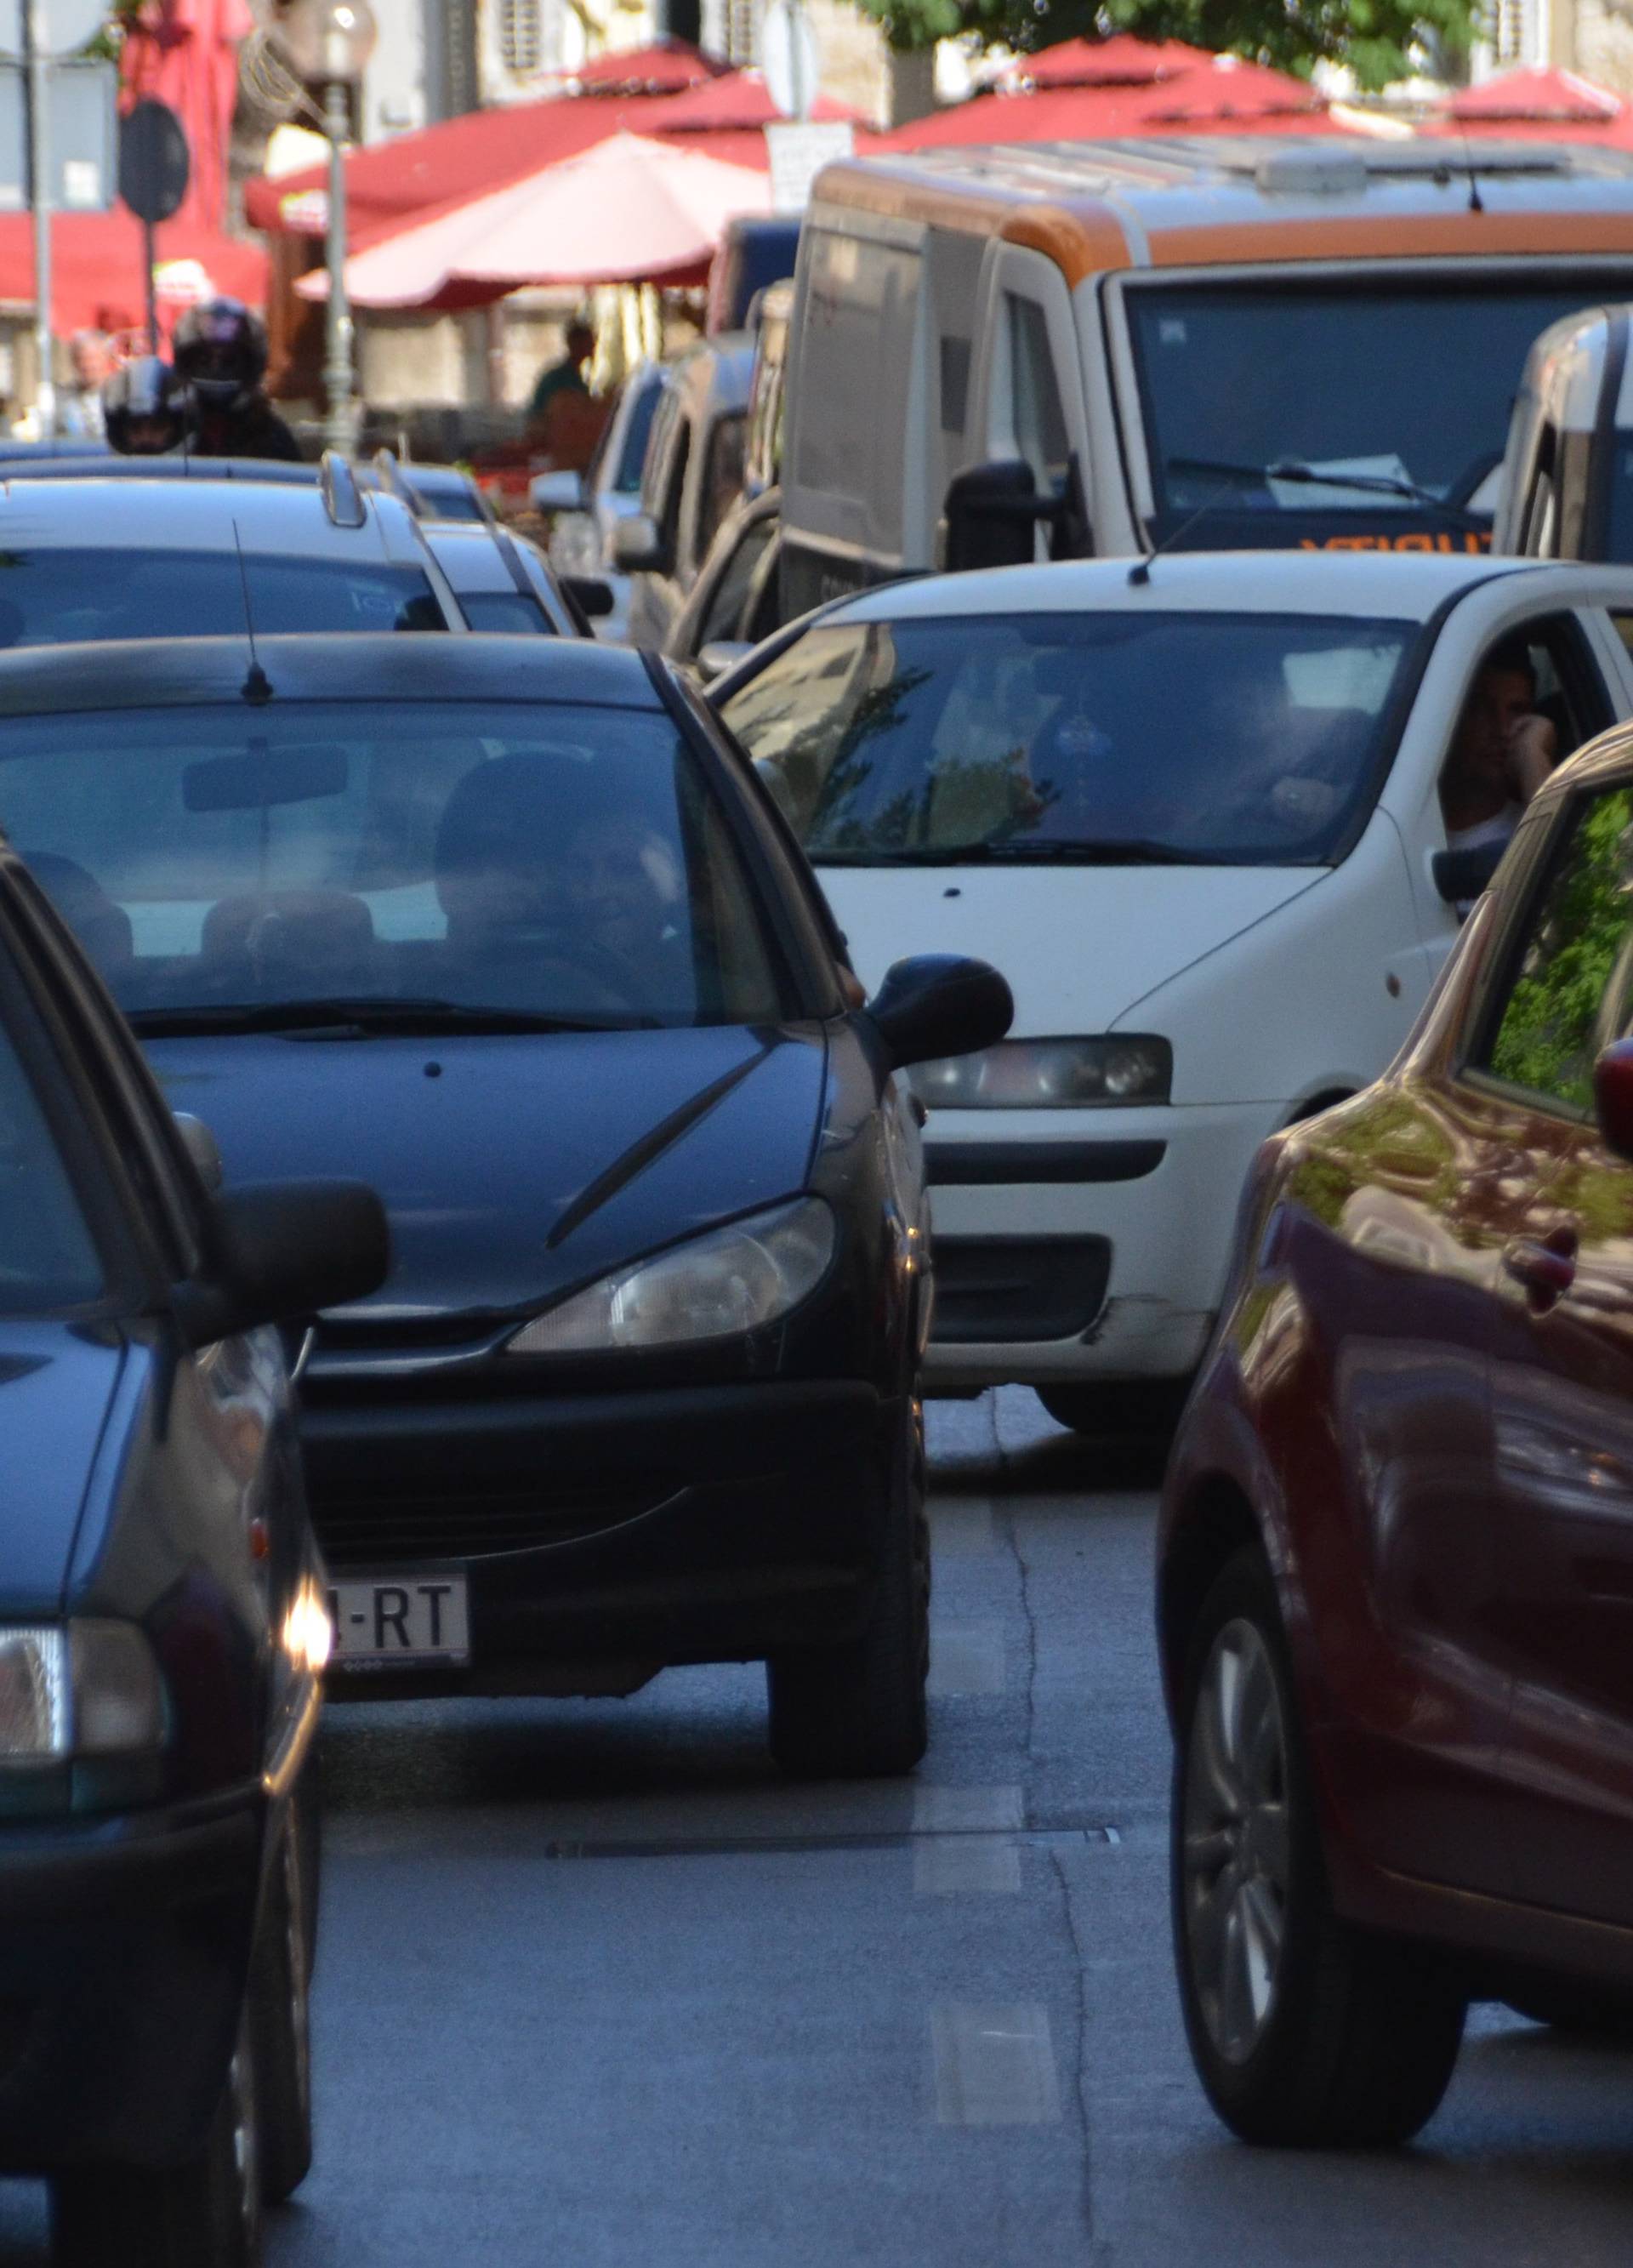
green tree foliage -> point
(1375, 38)
(1553, 1026)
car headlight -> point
(1048, 1074)
(715, 1286)
(93, 1689)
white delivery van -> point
(1058, 350)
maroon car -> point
(1395, 1561)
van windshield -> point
(46, 1258)
(1119, 738)
(1390, 383)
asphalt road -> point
(598, 1991)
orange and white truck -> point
(1058, 350)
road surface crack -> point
(1029, 1698)
(1079, 2060)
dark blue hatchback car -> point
(162, 1632)
(505, 927)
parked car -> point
(736, 600)
(162, 1631)
(587, 507)
(1565, 491)
(757, 251)
(94, 557)
(1396, 1550)
(503, 926)
(1193, 817)
(691, 478)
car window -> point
(47, 1260)
(637, 433)
(503, 610)
(1569, 992)
(65, 597)
(1228, 739)
(723, 477)
(722, 618)
(545, 860)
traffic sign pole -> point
(36, 36)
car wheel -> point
(204, 2214)
(1144, 1408)
(858, 1711)
(1304, 2030)
(280, 2018)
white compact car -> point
(1191, 811)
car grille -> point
(399, 1530)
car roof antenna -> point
(1140, 573)
(257, 685)
(1476, 203)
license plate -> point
(395, 1622)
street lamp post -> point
(329, 42)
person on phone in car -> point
(1501, 752)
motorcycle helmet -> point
(145, 409)
(221, 351)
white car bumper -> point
(1082, 1245)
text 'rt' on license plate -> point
(395, 1622)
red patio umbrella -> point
(740, 101)
(1562, 97)
(1122, 60)
(631, 209)
(666, 66)
(1225, 97)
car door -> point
(1561, 1371)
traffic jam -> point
(611, 1118)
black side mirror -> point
(992, 512)
(938, 1003)
(278, 1250)
(593, 595)
(1461, 876)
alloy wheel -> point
(1234, 1856)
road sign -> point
(64, 27)
(788, 56)
(153, 161)
(798, 151)
(81, 138)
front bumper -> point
(124, 1948)
(1137, 1205)
(604, 1536)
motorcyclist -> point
(145, 408)
(221, 354)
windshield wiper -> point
(365, 1018)
(1111, 851)
(1296, 473)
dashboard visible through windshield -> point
(1274, 414)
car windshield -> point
(1391, 384)
(46, 1258)
(1251, 740)
(52, 597)
(390, 866)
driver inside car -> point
(1501, 752)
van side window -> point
(1539, 529)
(1039, 420)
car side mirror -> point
(593, 594)
(992, 512)
(939, 1004)
(719, 655)
(557, 492)
(638, 548)
(1612, 1097)
(1461, 876)
(276, 1251)
(203, 1148)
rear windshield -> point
(1389, 383)
(63, 597)
(414, 859)
(504, 610)
(46, 1258)
(1249, 739)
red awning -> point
(1536, 98)
(741, 101)
(1226, 98)
(97, 276)
(1122, 60)
(662, 67)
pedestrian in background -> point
(79, 412)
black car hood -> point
(56, 1384)
(514, 1167)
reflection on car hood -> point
(55, 1384)
(482, 1147)
(1081, 946)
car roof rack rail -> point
(389, 472)
(342, 498)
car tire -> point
(1141, 1409)
(1304, 2030)
(204, 2213)
(280, 2016)
(859, 1711)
